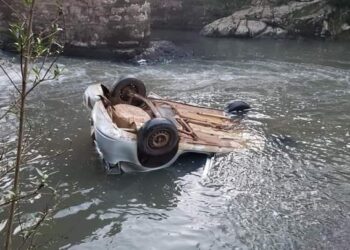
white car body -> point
(118, 147)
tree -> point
(38, 53)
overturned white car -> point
(135, 132)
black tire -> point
(235, 107)
(157, 137)
(119, 94)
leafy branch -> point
(34, 50)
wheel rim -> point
(159, 140)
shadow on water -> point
(108, 202)
(328, 53)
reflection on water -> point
(295, 193)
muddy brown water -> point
(292, 194)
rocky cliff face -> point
(255, 18)
(306, 18)
(122, 26)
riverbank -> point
(308, 19)
(318, 19)
(122, 31)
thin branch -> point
(45, 58)
(15, 72)
(31, 161)
(52, 33)
(49, 156)
(19, 218)
(34, 229)
(14, 85)
(43, 79)
(21, 62)
(45, 214)
(27, 136)
(44, 62)
(6, 172)
(2, 154)
(9, 109)
(23, 196)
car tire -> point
(157, 137)
(119, 93)
(235, 107)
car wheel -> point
(235, 107)
(123, 88)
(157, 137)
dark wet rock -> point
(161, 51)
(311, 18)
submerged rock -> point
(160, 51)
(313, 18)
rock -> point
(233, 26)
(242, 29)
(160, 51)
(280, 33)
(124, 54)
(344, 32)
(277, 33)
(224, 27)
(345, 27)
(307, 18)
(256, 27)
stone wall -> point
(120, 25)
(189, 14)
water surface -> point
(293, 194)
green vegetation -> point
(37, 55)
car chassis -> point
(135, 133)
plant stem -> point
(27, 58)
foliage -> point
(37, 53)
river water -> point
(292, 194)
